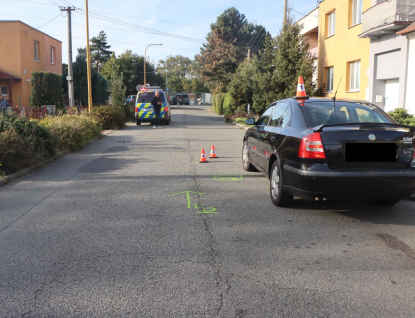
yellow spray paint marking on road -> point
(228, 178)
(210, 210)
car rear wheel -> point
(279, 196)
(138, 123)
(388, 202)
(245, 159)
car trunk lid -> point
(367, 145)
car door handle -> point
(272, 138)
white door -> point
(391, 94)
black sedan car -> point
(320, 149)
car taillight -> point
(312, 147)
(413, 159)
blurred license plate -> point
(366, 152)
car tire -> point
(166, 122)
(387, 202)
(279, 196)
(245, 159)
(138, 123)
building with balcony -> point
(310, 34)
(24, 50)
(388, 61)
(343, 58)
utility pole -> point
(249, 53)
(285, 13)
(70, 68)
(88, 60)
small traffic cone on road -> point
(202, 156)
(212, 152)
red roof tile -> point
(5, 76)
(410, 28)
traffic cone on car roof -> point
(202, 156)
(212, 152)
(300, 91)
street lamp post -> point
(145, 55)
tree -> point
(178, 72)
(226, 48)
(117, 89)
(291, 61)
(98, 82)
(99, 50)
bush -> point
(46, 89)
(402, 116)
(23, 143)
(228, 105)
(73, 131)
(219, 103)
(129, 109)
(109, 117)
(214, 103)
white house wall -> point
(410, 86)
(388, 60)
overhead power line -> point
(143, 29)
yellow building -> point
(343, 56)
(22, 51)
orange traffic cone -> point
(300, 90)
(202, 156)
(212, 152)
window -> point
(36, 51)
(146, 97)
(329, 78)
(52, 55)
(354, 76)
(263, 120)
(281, 116)
(328, 113)
(277, 115)
(3, 90)
(330, 23)
(356, 12)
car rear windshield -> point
(146, 97)
(185, 96)
(319, 113)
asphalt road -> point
(134, 226)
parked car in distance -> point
(181, 99)
(130, 98)
(331, 150)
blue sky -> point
(185, 23)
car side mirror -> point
(250, 121)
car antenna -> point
(334, 98)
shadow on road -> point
(402, 213)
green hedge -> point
(46, 89)
(24, 142)
(219, 103)
(402, 116)
(73, 131)
(228, 105)
(214, 102)
(109, 117)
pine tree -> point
(291, 61)
(99, 50)
(226, 48)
